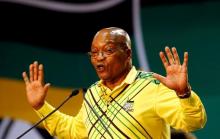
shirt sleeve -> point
(186, 114)
(62, 125)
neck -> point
(111, 84)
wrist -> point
(185, 94)
(38, 106)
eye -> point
(109, 50)
(93, 53)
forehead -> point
(105, 37)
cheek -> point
(117, 64)
(92, 62)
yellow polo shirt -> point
(140, 107)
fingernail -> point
(23, 73)
(40, 66)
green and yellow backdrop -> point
(60, 36)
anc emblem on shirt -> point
(128, 106)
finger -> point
(176, 56)
(25, 78)
(164, 60)
(161, 78)
(46, 87)
(35, 70)
(41, 74)
(31, 72)
(169, 55)
(185, 61)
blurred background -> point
(58, 34)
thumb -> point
(46, 87)
(159, 77)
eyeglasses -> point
(108, 49)
(105, 53)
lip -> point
(100, 67)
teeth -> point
(100, 67)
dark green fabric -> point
(194, 28)
(61, 69)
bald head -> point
(114, 35)
(111, 54)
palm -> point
(176, 78)
(176, 74)
(35, 92)
(35, 87)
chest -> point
(125, 115)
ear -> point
(129, 53)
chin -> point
(103, 77)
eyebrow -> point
(106, 44)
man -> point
(125, 103)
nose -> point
(100, 56)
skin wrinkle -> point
(116, 66)
(112, 63)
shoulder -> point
(93, 85)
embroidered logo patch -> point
(128, 106)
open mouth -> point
(100, 67)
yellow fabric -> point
(140, 107)
(62, 125)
